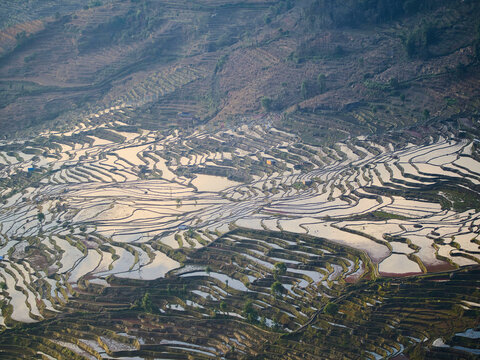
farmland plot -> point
(102, 208)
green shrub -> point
(249, 312)
(277, 288)
(331, 308)
(266, 103)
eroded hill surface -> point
(347, 68)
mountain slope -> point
(352, 68)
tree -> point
(3, 285)
(208, 269)
(223, 306)
(21, 37)
(283, 319)
(147, 304)
(417, 41)
(279, 269)
(249, 311)
(426, 114)
(339, 51)
(263, 321)
(476, 49)
(394, 84)
(41, 216)
(321, 83)
(476, 44)
(304, 89)
(460, 69)
(411, 6)
(266, 103)
(277, 288)
(331, 309)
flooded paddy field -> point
(101, 206)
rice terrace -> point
(251, 179)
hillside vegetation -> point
(351, 68)
(239, 179)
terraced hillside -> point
(86, 57)
(239, 179)
(268, 231)
(223, 304)
(327, 76)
